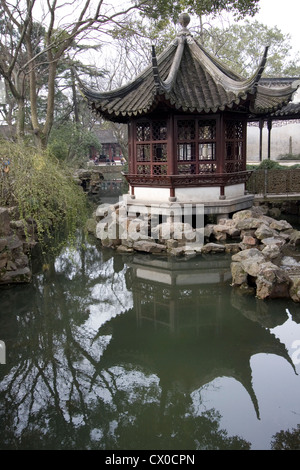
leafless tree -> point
(65, 24)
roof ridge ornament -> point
(166, 85)
(184, 19)
(261, 67)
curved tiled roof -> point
(187, 78)
(291, 109)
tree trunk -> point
(33, 90)
(44, 135)
(75, 102)
(20, 121)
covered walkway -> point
(289, 113)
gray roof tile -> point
(189, 79)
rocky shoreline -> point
(263, 248)
(16, 241)
(265, 255)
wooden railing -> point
(283, 181)
(188, 180)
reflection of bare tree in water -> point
(49, 386)
(57, 392)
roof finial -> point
(184, 20)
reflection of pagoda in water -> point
(163, 289)
(184, 329)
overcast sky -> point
(285, 14)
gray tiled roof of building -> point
(187, 78)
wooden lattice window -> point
(234, 146)
(196, 146)
(151, 147)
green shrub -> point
(289, 156)
(251, 167)
(42, 189)
(269, 165)
(71, 143)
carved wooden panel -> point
(187, 180)
(274, 182)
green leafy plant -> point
(289, 156)
(71, 143)
(269, 165)
(43, 190)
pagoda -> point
(187, 119)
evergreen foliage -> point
(71, 143)
(241, 47)
(43, 191)
(268, 164)
(289, 156)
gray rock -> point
(295, 238)
(124, 249)
(295, 289)
(179, 251)
(271, 252)
(264, 231)
(246, 254)
(213, 248)
(275, 212)
(274, 241)
(5, 228)
(172, 244)
(280, 225)
(248, 224)
(208, 230)
(248, 213)
(252, 265)
(249, 241)
(103, 211)
(289, 261)
(239, 275)
(272, 282)
(16, 277)
(173, 230)
(3, 244)
(232, 248)
(149, 247)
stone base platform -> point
(221, 207)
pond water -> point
(135, 352)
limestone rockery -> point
(264, 249)
(16, 239)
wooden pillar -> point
(220, 144)
(171, 152)
(221, 151)
(171, 148)
(269, 137)
(261, 126)
(244, 145)
(222, 192)
(131, 152)
(131, 149)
